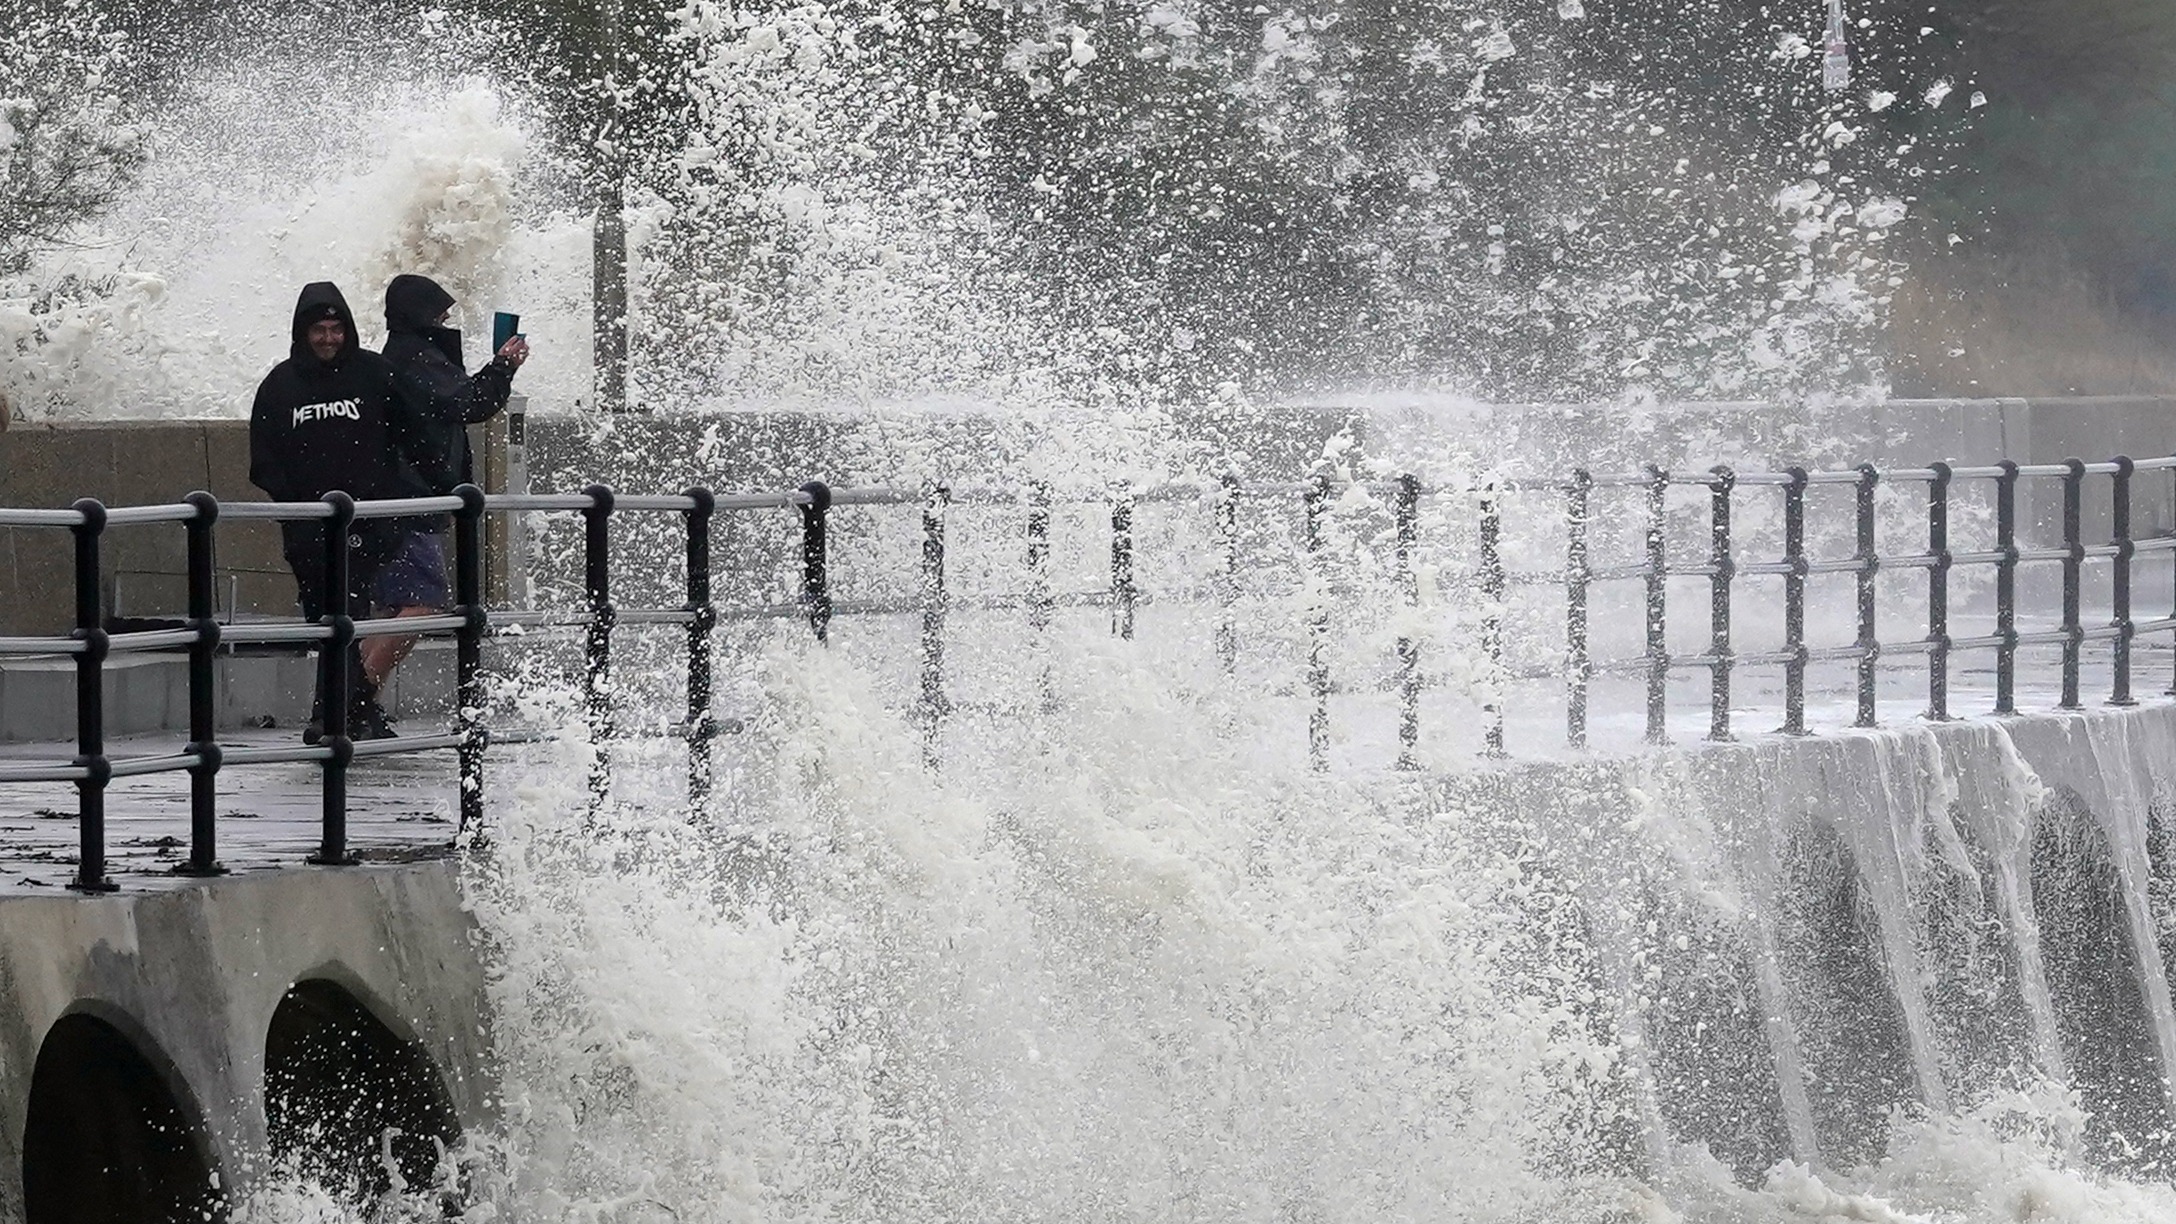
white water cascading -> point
(1118, 961)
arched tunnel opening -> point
(2093, 973)
(348, 1104)
(106, 1138)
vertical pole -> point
(2006, 588)
(1938, 593)
(1227, 581)
(608, 234)
(1578, 666)
(1317, 499)
(1794, 603)
(2120, 582)
(1122, 591)
(2073, 576)
(933, 613)
(816, 558)
(1658, 577)
(336, 660)
(1492, 617)
(90, 704)
(203, 730)
(1869, 565)
(597, 672)
(702, 727)
(1041, 603)
(468, 647)
(1723, 570)
(1407, 513)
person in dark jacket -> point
(334, 416)
(420, 345)
(428, 353)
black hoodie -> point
(431, 356)
(350, 423)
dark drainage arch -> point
(106, 1138)
(336, 1080)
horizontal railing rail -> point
(1723, 564)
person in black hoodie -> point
(428, 353)
(334, 416)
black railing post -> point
(1317, 498)
(1492, 617)
(468, 648)
(2073, 576)
(1869, 559)
(1122, 589)
(1658, 579)
(1938, 639)
(1227, 579)
(337, 661)
(1723, 569)
(934, 599)
(2006, 588)
(1041, 603)
(2120, 582)
(597, 669)
(702, 725)
(1407, 517)
(90, 703)
(816, 558)
(203, 857)
(1794, 602)
(1578, 665)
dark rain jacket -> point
(352, 424)
(431, 355)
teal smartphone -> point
(504, 327)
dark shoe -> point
(314, 734)
(367, 721)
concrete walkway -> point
(399, 808)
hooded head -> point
(414, 303)
(321, 301)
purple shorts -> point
(414, 576)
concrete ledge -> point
(194, 976)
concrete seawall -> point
(192, 978)
(1805, 938)
(1789, 939)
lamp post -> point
(608, 243)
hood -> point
(322, 300)
(413, 303)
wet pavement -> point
(270, 816)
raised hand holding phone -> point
(506, 339)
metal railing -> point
(932, 600)
(469, 622)
(1721, 563)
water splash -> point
(1025, 204)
